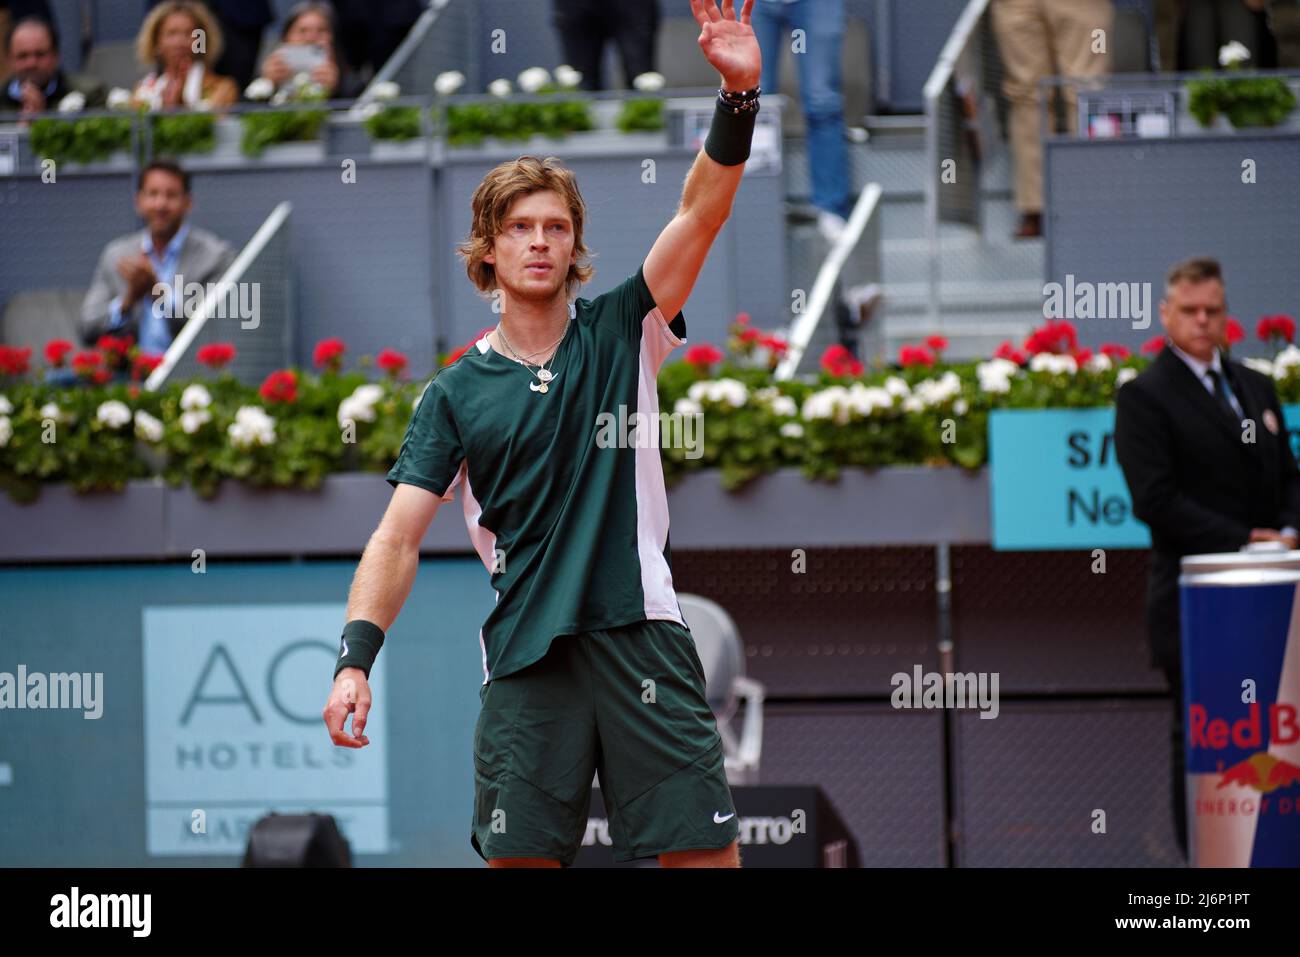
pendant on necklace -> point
(545, 375)
(538, 388)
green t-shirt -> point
(575, 525)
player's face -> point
(537, 229)
(1195, 314)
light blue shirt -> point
(155, 335)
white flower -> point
(281, 96)
(74, 102)
(792, 430)
(1259, 365)
(385, 90)
(866, 399)
(829, 403)
(567, 76)
(301, 80)
(192, 420)
(897, 386)
(147, 427)
(721, 391)
(351, 409)
(687, 407)
(1124, 374)
(195, 396)
(995, 375)
(1052, 363)
(648, 82)
(1286, 360)
(119, 98)
(312, 90)
(913, 404)
(932, 392)
(113, 413)
(5, 405)
(500, 87)
(48, 411)
(1230, 54)
(369, 393)
(960, 407)
(448, 82)
(6, 430)
(259, 89)
(533, 79)
(252, 426)
(1098, 363)
(784, 405)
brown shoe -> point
(1031, 226)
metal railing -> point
(427, 51)
(956, 96)
(848, 279)
(251, 306)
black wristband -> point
(730, 134)
(359, 646)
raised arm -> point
(675, 260)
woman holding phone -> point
(307, 46)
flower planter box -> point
(304, 153)
(116, 162)
(150, 521)
(400, 150)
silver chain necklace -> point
(544, 375)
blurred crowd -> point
(206, 55)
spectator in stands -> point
(242, 24)
(370, 32)
(1037, 39)
(583, 26)
(132, 290)
(38, 83)
(1208, 25)
(308, 32)
(1284, 20)
(11, 12)
(1194, 478)
(822, 22)
(178, 40)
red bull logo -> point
(1262, 772)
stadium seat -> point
(34, 318)
(717, 641)
(114, 64)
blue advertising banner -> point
(1056, 483)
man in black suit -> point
(1208, 463)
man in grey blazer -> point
(133, 290)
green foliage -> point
(1246, 101)
(288, 126)
(641, 115)
(81, 141)
(184, 133)
(395, 123)
(467, 124)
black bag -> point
(297, 840)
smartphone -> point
(302, 57)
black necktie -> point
(1221, 394)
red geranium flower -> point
(329, 354)
(1082, 355)
(133, 391)
(1009, 352)
(85, 363)
(1115, 351)
(703, 356)
(1281, 326)
(742, 318)
(1233, 332)
(56, 350)
(915, 356)
(749, 334)
(215, 355)
(776, 344)
(936, 343)
(1056, 335)
(15, 361)
(392, 362)
(114, 349)
(100, 376)
(280, 386)
(1153, 345)
(838, 361)
(145, 363)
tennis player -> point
(588, 665)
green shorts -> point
(627, 704)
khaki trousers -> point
(1039, 38)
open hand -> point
(729, 44)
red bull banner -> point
(1241, 705)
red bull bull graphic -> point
(1241, 701)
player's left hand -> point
(729, 44)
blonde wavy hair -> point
(146, 41)
(492, 200)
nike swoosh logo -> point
(722, 820)
(344, 652)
